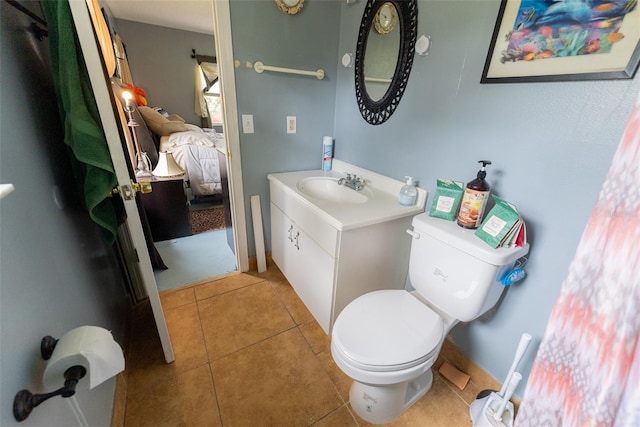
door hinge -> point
(128, 192)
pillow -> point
(175, 118)
(161, 111)
(160, 125)
(194, 128)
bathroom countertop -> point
(381, 205)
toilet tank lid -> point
(465, 240)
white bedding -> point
(204, 170)
(196, 152)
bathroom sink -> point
(328, 189)
(342, 207)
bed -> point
(196, 152)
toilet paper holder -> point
(81, 349)
(25, 401)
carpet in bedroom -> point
(204, 219)
(194, 258)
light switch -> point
(291, 124)
(247, 123)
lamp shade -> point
(167, 166)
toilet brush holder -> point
(483, 412)
(525, 339)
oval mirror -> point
(384, 56)
(381, 56)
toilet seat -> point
(387, 330)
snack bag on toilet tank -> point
(447, 199)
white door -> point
(101, 91)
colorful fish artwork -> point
(545, 29)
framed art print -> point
(565, 40)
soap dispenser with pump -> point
(408, 193)
(474, 200)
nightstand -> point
(167, 209)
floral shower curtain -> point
(587, 370)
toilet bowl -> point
(388, 340)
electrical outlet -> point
(247, 123)
(291, 124)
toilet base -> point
(382, 404)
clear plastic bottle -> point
(408, 193)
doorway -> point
(200, 254)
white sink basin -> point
(328, 189)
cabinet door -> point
(307, 267)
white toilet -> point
(387, 341)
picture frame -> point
(290, 7)
(538, 41)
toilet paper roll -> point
(89, 346)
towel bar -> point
(260, 68)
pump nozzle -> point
(483, 171)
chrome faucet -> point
(353, 182)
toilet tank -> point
(454, 270)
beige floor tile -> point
(315, 336)
(339, 418)
(120, 401)
(176, 297)
(292, 301)
(281, 375)
(144, 356)
(145, 359)
(175, 399)
(226, 284)
(468, 394)
(340, 380)
(186, 335)
(277, 382)
(145, 363)
(234, 320)
(440, 407)
(272, 274)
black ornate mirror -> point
(384, 56)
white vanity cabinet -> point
(328, 266)
(305, 264)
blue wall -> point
(550, 143)
(161, 64)
(55, 271)
(307, 41)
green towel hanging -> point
(83, 131)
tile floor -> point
(249, 353)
